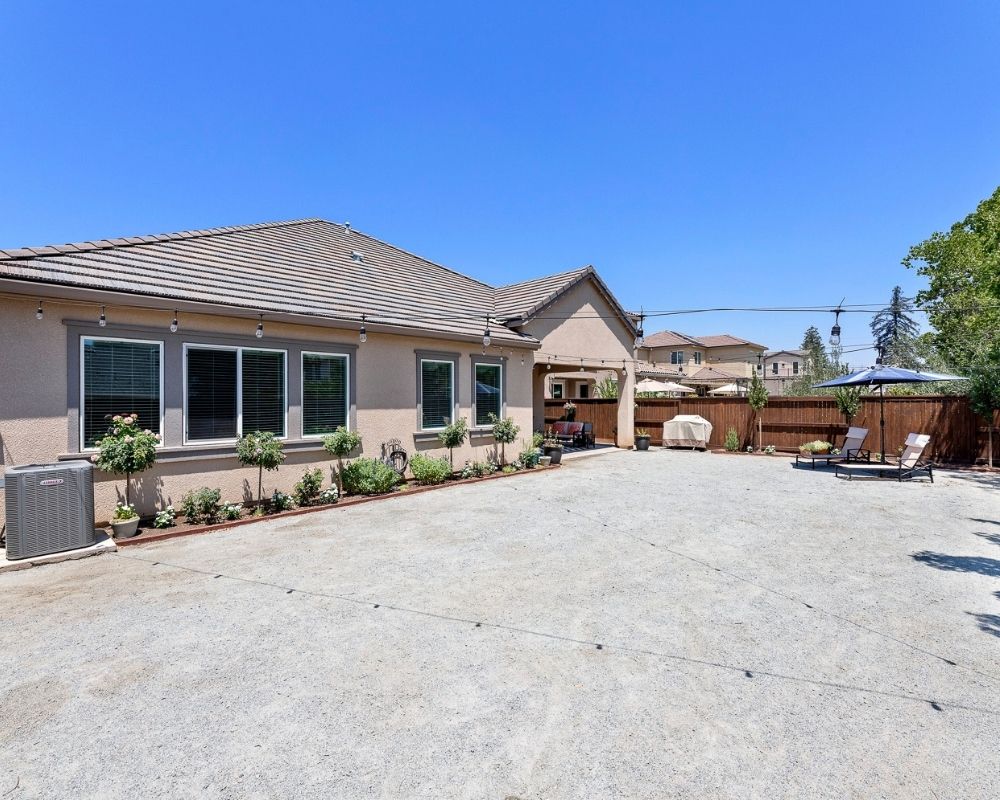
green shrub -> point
(817, 446)
(165, 518)
(732, 440)
(528, 458)
(330, 495)
(478, 469)
(368, 476)
(308, 489)
(453, 436)
(281, 501)
(201, 505)
(341, 443)
(261, 449)
(428, 470)
(231, 511)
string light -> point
(102, 320)
(549, 364)
(39, 314)
(173, 323)
(639, 338)
(581, 365)
(486, 334)
(835, 330)
(260, 326)
(363, 333)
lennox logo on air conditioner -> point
(51, 482)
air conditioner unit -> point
(50, 508)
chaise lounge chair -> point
(849, 451)
(907, 466)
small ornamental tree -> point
(341, 443)
(505, 432)
(454, 436)
(848, 400)
(984, 396)
(126, 449)
(757, 397)
(261, 449)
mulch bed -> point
(150, 534)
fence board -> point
(957, 435)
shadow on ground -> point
(979, 564)
(988, 623)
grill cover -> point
(687, 430)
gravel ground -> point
(635, 625)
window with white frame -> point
(557, 391)
(677, 357)
(325, 401)
(795, 368)
(697, 358)
(229, 391)
(437, 393)
(489, 392)
(119, 376)
(774, 367)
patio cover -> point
(687, 430)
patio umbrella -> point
(729, 388)
(670, 386)
(649, 385)
(880, 375)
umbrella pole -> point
(881, 421)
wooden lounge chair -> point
(850, 450)
(907, 466)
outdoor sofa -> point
(850, 450)
(577, 434)
(909, 464)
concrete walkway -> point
(641, 625)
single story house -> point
(292, 327)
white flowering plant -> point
(331, 495)
(231, 511)
(165, 518)
(281, 501)
(123, 512)
(770, 449)
(126, 449)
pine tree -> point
(813, 342)
(895, 332)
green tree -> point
(848, 400)
(454, 436)
(984, 393)
(757, 397)
(341, 443)
(261, 449)
(505, 432)
(962, 267)
(895, 331)
(818, 358)
(126, 449)
(606, 389)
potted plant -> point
(570, 408)
(642, 439)
(125, 521)
(126, 449)
(817, 447)
(553, 450)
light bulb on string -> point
(363, 333)
(173, 323)
(102, 320)
(39, 313)
(260, 326)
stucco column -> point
(626, 408)
(538, 398)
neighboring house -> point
(293, 327)
(701, 362)
(782, 367)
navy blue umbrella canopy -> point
(880, 375)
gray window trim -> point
(497, 361)
(423, 433)
(172, 393)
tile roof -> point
(673, 338)
(307, 267)
(706, 374)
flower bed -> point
(182, 528)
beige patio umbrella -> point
(649, 385)
(729, 388)
(670, 386)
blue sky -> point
(698, 154)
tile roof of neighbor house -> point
(307, 267)
(673, 338)
(769, 353)
(706, 374)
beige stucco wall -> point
(33, 396)
(738, 360)
(582, 324)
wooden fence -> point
(957, 435)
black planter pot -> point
(641, 442)
(555, 453)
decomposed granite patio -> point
(634, 625)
